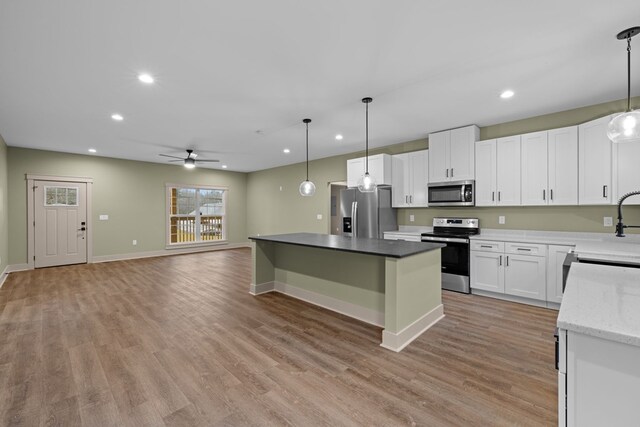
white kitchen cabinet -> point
(517, 269)
(601, 381)
(534, 172)
(486, 169)
(563, 166)
(594, 165)
(508, 171)
(555, 259)
(452, 154)
(487, 271)
(379, 168)
(525, 276)
(409, 181)
(626, 171)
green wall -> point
(273, 211)
(4, 216)
(131, 193)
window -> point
(60, 196)
(196, 214)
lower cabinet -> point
(518, 269)
(555, 259)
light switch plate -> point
(134, 243)
(502, 219)
(104, 217)
(412, 218)
(319, 216)
(608, 221)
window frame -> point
(168, 215)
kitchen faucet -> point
(620, 226)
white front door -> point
(60, 223)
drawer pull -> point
(486, 246)
(524, 249)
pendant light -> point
(625, 127)
(307, 188)
(366, 183)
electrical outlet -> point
(281, 188)
(134, 243)
(319, 217)
(502, 219)
(104, 217)
(412, 218)
(608, 221)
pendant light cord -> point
(629, 73)
(367, 137)
(307, 150)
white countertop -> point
(411, 230)
(542, 237)
(620, 250)
(602, 301)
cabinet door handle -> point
(500, 259)
(410, 199)
(544, 194)
(498, 196)
(604, 191)
(447, 172)
(493, 196)
(406, 199)
(507, 260)
(551, 193)
(451, 172)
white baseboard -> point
(397, 341)
(3, 275)
(12, 268)
(167, 252)
(261, 288)
(363, 314)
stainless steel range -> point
(455, 233)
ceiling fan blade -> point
(203, 160)
(167, 155)
(181, 160)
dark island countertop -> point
(387, 248)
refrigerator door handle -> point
(354, 219)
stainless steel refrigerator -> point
(367, 214)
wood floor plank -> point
(179, 341)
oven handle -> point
(444, 239)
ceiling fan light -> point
(189, 163)
(625, 127)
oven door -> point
(455, 263)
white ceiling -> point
(235, 79)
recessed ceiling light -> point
(117, 117)
(146, 78)
(286, 151)
(224, 166)
(506, 94)
(338, 137)
(92, 150)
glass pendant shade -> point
(625, 127)
(307, 188)
(367, 183)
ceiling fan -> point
(190, 160)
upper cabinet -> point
(626, 173)
(409, 181)
(594, 167)
(549, 164)
(379, 169)
(452, 154)
(498, 172)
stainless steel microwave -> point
(458, 193)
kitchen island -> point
(389, 283)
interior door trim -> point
(31, 235)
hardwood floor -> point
(178, 341)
